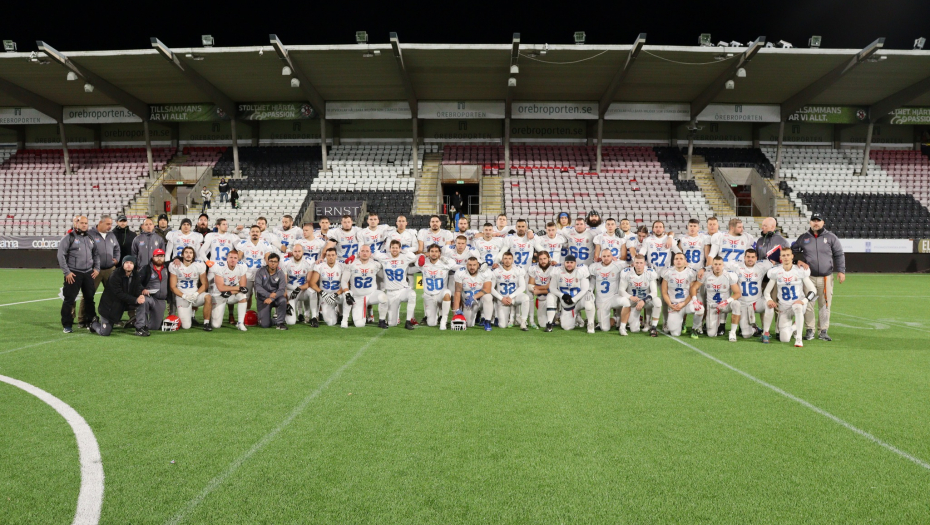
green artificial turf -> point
(368, 426)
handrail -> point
(725, 190)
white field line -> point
(40, 300)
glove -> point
(209, 263)
(469, 300)
(421, 261)
(459, 312)
(225, 294)
(350, 259)
(811, 296)
(295, 293)
(330, 298)
(190, 297)
(243, 289)
(349, 299)
(567, 299)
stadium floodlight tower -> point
(579, 37)
(361, 37)
(705, 40)
(613, 88)
(9, 46)
(206, 40)
(411, 98)
(508, 102)
(918, 44)
(814, 41)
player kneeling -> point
(436, 295)
(473, 292)
(510, 291)
(572, 283)
(723, 295)
(189, 283)
(326, 281)
(397, 288)
(299, 294)
(228, 288)
(606, 273)
(679, 290)
(638, 285)
(790, 282)
(270, 286)
(359, 278)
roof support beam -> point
(508, 103)
(807, 94)
(140, 108)
(310, 93)
(617, 81)
(203, 85)
(408, 86)
(28, 98)
(710, 92)
(895, 101)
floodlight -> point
(769, 44)
(735, 44)
(784, 45)
(9, 46)
(918, 44)
(286, 71)
(207, 40)
(814, 41)
(730, 84)
(88, 88)
(579, 37)
(511, 82)
(705, 41)
(741, 72)
(722, 44)
(544, 49)
(514, 69)
(361, 37)
(295, 82)
(72, 75)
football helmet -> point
(458, 322)
(251, 318)
(172, 323)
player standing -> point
(489, 246)
(267, 235)
(434, 235)
(218, 244)
(180, 239)
(374, 235)
(313, 245)
(693, 245)
(345, 240)
(732, 244)
(580, 242)
(609, 240)
(552, 242)
(288, 234)
(189, 284)
(464, 227)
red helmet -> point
(458, 322)
(171, 324)
(251, 318)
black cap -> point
(571, 258)
(185, 220)
(163, 216)
(129, 258)
(816, 216)
(121, 218)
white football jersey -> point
(631, 241)
(554, 246)
(718, 286)
(472, 284)
(435, 276)
(789, 284)
(290, 236)
(507, 281)
(581, 245)
(253, 255)
(346, 242)
(395, 269)
(361, 277)
(569, 282)
(638, 285)
(216, 246)
(230, 277)
(610, 242)
(750, 279)
(489, 250)
(177, 241)
(542, 277)
(312, 248)
(522, 249)
(330, 276)
(429, 237)
(373, 238)
(469, 234)
(297, 272)
(606, 278)
(732, 248)
(679, 283)
(693, 248)
(269, 237)
(188, 276)
(452, 254)
(657, 255)
(407, 238)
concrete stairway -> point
(426, 200)
(784, 206)
(140, 205)
(705, 181)
(492, 194)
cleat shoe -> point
(424, 322)
(591, 328)
(523, 327)
(194, 322)
(766, 339)
(798, 343)
(282, 326)
(487, 326)
(548, 327)
(722, 329)
(344, 325)
(409, 325)
(808, 335)
(371, 319)
(442, 324)
(414, 322)
(695, 333)
(382, 324)
(84, 326)
(290, 310)
(314, 323)
(622, 330)
(732, 337)
(68, 330)
(142, 332)
(207, 327)
(653, 332)
(823, 335)
(242, 327)
(300, 318)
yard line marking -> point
(40, 300)
(90, 497)
(40, 344)
(822, 412)
(268, 438)
(890, 296)
(884, 321)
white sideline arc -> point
(267, 438)
(40, 300)
(90, 497)
(917, 461)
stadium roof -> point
(469, 72)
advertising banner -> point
(50, 135)
(134, 134)
(829, 114)
(633, 131)
(648, 111)
(554, 110)
(99, 115)
(906, 116)
(710, 132)
(489, 109)
(23, 242)
(212, 133)
(375, 109)
(462, 130)
(877, 245)
(334, 210)
(741, 113)
(293, 132)
(10, 116)
(572, 130)
(276, 111)
(187, 113)
(798, 133)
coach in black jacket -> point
(123, 291)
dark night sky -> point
(92, 25)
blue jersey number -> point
(184, 285)
(433, 284)
(693, 256)
(788, 293)
(221, 253)
(508, 288)
(350, 250)
(521, 258)
(580, 253)
(658, 258)
(394, 275)
(605, 286)
(750, 288)
(727, 252)
(570, 291)
(679, 293)
(489, 258)
(294, 280)
(329, 285)
(363, 282)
